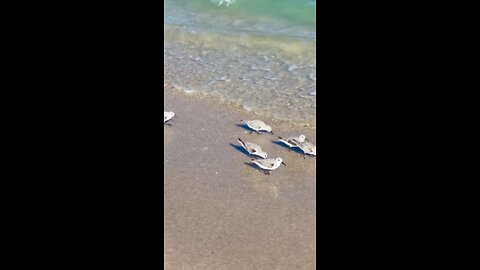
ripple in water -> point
(265, 79)
(268, 74)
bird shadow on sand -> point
(170, 123)
(245, 127)
(240, 149)
(255, 167)
(295, 149)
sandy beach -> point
(222, 213)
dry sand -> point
(221, 213)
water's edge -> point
(268, 75)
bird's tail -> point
(241, 142)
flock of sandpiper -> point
(260, 157)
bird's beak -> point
(175, 116)
(284, 164)
(272, 132)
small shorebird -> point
(307, 148)
(292, 141)
(257, 126)
(253, 149)
(268, 165)
(167, 116)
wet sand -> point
(221, 213)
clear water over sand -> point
(257, 54)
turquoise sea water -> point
(257, 53)
(268, 16)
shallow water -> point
(285, 17)
(259, 54)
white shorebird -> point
(257, 126)
(268, 165)
(167, 116)
(253, 149)
(292, 141)
(307, 148)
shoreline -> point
(290, 126)
(275, 77)
(219, 211)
